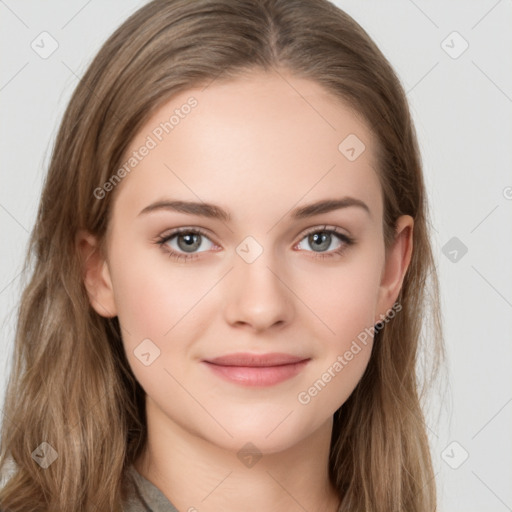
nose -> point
(258, 296)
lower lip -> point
(257, 376)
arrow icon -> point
(249, 455)
(454, 455)
(351, 147)
(454, 45)
(146, 352)
(454, 249)
(249, 253)
(44, 454)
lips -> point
(256, 369)
(256, 360)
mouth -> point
(256, 369)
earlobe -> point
(96, 275)
(398, 258)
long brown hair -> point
(70, 384)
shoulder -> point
(142, 495)
(132, 501)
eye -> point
(326, 242)
(183, 243)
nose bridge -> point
(257, 294)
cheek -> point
(348, 309)
(346, 297)
(346, 301)
(153, 294)
(154, 305)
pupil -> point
(322, 238)
(192, 242)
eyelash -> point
(162, 240)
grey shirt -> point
(143, 496)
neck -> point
(195, 474)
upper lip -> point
(246, 359)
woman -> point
(231, 260)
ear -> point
(398, 257)
(96, 275)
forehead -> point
(265, 137)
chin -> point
(269, 435)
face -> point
(255, 270)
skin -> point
(259, 149)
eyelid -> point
(187, 229)
(324, 227)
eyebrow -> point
(216, 212)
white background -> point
(462, 111)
